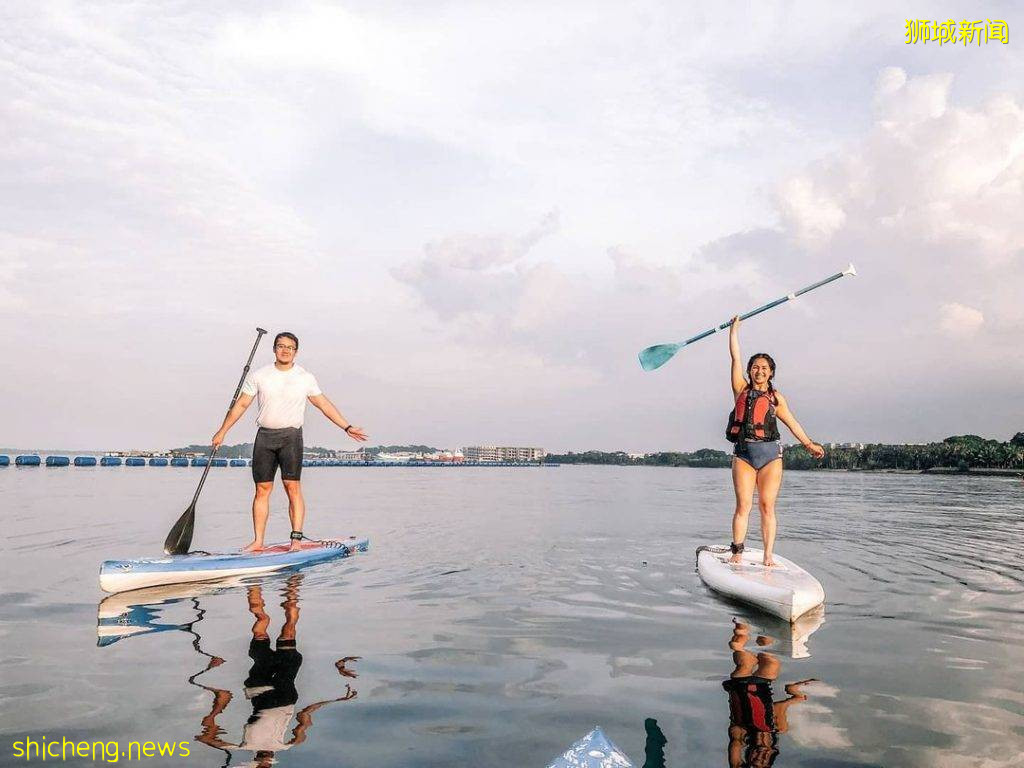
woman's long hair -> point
(771, 364)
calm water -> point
(502, 613)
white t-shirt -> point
(281, 395)
(268, 731)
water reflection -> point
(654, 745)
(755, 718)
(270, 684)
(141, 611)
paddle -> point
(180, 538)
(659, 354)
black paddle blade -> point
(180, 538)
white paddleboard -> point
(785, 590)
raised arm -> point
(786, 416)
(739, 381)
(331, 412)
(229, 421)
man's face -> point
(285, 350)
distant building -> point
(501, 453)
(351, 456)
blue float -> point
(85, 461)
(238, 462)
(5, 461)
(135, 461)
(158, 461)
(110, 461)
(28, 460)
(179, 461)
(200, 461)
(58, 461)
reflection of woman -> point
(755, 718)
(757, 459)
(270, 686)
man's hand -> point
(356, 433)
(218, 438)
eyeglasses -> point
(284, 346)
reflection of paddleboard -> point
(123, 575)
(594, 750)
(785, 590)
(139, 612)
(791, 637)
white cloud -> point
(284, 164)
(929, 171)
(961, 321)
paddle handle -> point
(850, 270)
(234, 399)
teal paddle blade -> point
(657, 356)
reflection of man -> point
(755, 718)
(270, 686)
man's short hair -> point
(287, 335)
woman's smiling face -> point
(760, 371)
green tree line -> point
(960, 451)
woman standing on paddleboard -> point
(757, 459)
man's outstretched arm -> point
(331, 412)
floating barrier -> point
(5, 461)
(135, 461)
(219, 463)
(158, 461)
(200, 462)
(28, 460)
(57, 461)
(179, 461)
(110, 461)
(238, 463)
(85, 461)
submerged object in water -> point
(123, 575)
(785, 590)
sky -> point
(474, 216)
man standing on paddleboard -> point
(281, 390)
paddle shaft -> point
(766, 307)
(234, 399)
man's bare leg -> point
(296, 507)
(260, 513)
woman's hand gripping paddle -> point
(180, 538)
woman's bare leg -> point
(769, 480)
(744, 478)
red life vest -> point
(753, 417)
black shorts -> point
(275, 672)
(277, 448)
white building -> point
(502, 453)
(351, 456)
